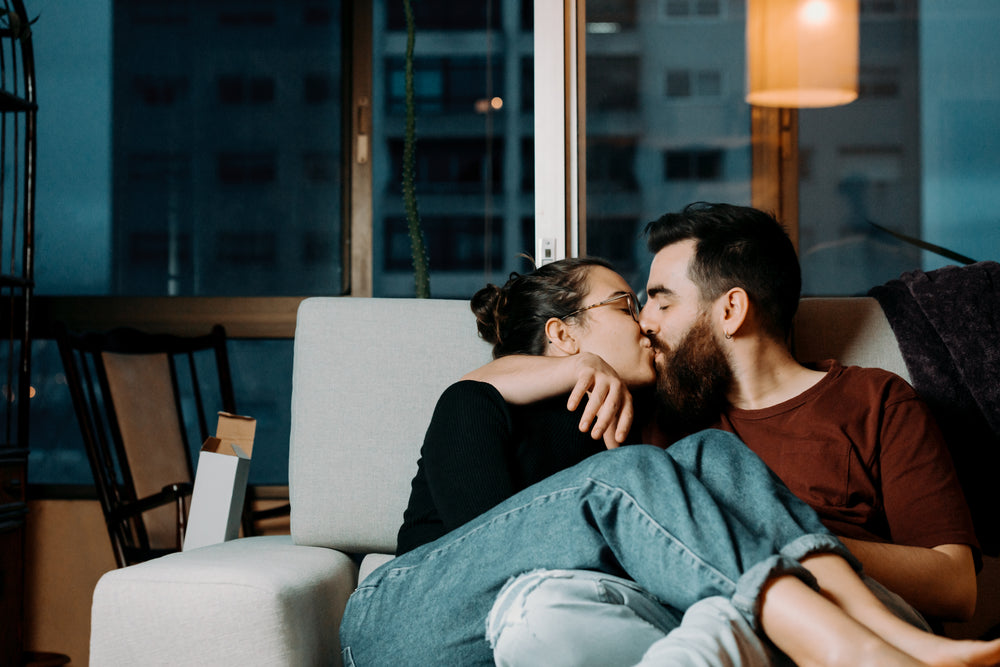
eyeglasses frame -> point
(633, 306)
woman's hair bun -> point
(488, 305)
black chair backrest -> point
(136, 397)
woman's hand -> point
(609, 410)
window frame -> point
(560, 139)
(559, 179)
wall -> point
(67, 552)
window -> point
(613, 166)
(234, 89)
(681, 9)
(160, 91)
(320, 168)
(155, 168)
(473, 175)
(317, 247)
(878, 82)
(243, 18)
(672, 155)
(446, 15)
(451, 165)
(444, 85)
(613, 83)
(246, 248)
(167, 173)
(159, 14)
(453, 243)
(682, 83)
(154, 248)
(246, 168)
(318, 15)
(879, 7)
(618, 14)
(147, 164)
(317, 89)
(693, 165)
(615, 239)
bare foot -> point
(943, 652)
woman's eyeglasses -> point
(633, 307)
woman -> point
(501, 491)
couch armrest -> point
(253, 601)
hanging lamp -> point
(802, 53)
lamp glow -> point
(802, 53)
(815, 13)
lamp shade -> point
(802, 53)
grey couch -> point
(367, 373)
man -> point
(857, 445)
(889, 481)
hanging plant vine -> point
(421, 273)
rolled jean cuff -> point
(747, 598)
(808, 545)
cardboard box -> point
(220, 482)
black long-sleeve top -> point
(479, 451)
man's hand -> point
(609, 410)
(938, 582)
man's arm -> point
(939, 582)
(924, 505)
(523, 379)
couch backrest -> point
(367, 373)
(366, 376)
(853, 330)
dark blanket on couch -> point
(947, 323)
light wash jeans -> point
(580, 618)
(703, 518)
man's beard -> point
(693, 381)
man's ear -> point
(733, 311)
(562, 342)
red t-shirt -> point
(862, 449)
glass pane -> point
(473, 160)
(262, 380)
(189, 148)
(186, 149)
(666, 120)
(917, 153)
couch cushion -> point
(366, 376)
(254, 601)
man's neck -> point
(765, 374)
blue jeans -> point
(581, 618)
(704, 518)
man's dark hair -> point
(737, 246)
